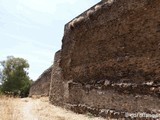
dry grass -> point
(46, 111)
(36, 109)
(7, 108)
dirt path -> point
(27, 110)
(40, 109)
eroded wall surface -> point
(111, 56)
(41, 86)
(109, 64)
(57, 85)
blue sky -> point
(33, 29)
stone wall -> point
(109, 64)
(56, 95)
(110, 58)
(115, 37)
(41, 86)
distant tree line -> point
(14, 79)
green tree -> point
(14, 76)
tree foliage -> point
(14, 76)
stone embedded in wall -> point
(125, 41)
(115, 53)
(41, 86)
(96, 98)
(56, 95)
